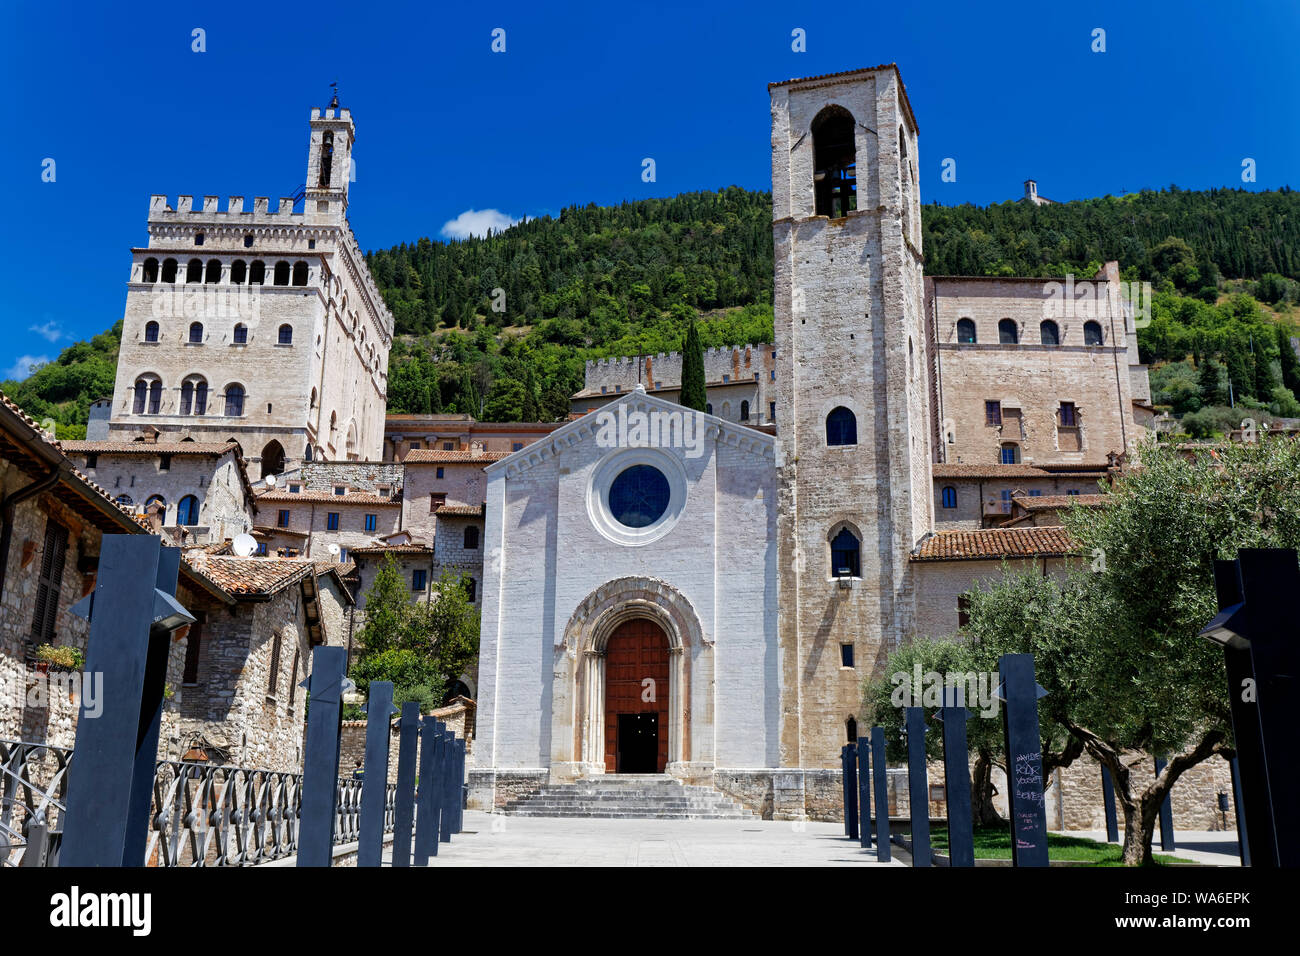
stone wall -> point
(375, 477)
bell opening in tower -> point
(835, 182)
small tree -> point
(693, 392)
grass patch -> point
(994, 843)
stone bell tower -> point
(853, 409)
(329, 160)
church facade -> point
(705, 596)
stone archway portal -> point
(636, 698)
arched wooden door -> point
(636, 698)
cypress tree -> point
(693, 394)
(1290, 362)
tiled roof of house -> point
(1046, 502)
(394, 549)
(463, 511)
(148, 448)
(267, 531)
(1019, 471)
(432, 456)
(994, 543)
(351, 498)
(260, 576)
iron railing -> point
(202, 814)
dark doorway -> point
(638, 743)
(272, 459)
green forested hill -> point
(625, 279)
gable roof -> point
(437, 456)
(1049, 541)
(572, 432)
(256, 577)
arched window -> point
(326, 158)
(241, 334)
(1010, 453)
(744, 411)
(187, 397)
(313, 398)
(334, 424)
(238, 272)
(1050, 332)
(141, 396)
(194, 396)
(844, 555)
(282, 273)
(151, 331)
(841, 427)
(196, 333)
(214, 271)
(194, 271)
(234, 401)
(125, 501)
(834, 163)
(851, 728)
(272, 458)
(471, 538)
(187, 511)
(153, 500)
(308, 453)
(299, 273)
(257, 272)
(150, 270)
(155, 396)
(169, 270)
(1092, 333)
(200, 397)
(1008, 334)
(949, 497)
(708, 408)
(286, 334)
(966, 331)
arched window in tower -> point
(834, 163)
(194, 396)
(151, 331)
(1092, 333)
(141, 396)
(234, 401)
(187, 511)
(300, 273)
(155, 501)
(155, 396)
(169, 267)
(150, 273)
(845, 549)
(841, 427)
(241, 334)
(313, 398)
(326, 158)
(471, 538)
(196, 333)
(1050, 332)
(194, 271)
(308, 454)
(187, 397)
(281, 273)
(744, 411)
(257, 272)
(906, 182)
(851, 728)
(1008, 334)
(965, 331)
(200, 397)
(286, 334)
(213, 274)
(238, 272)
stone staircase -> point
(629, 796)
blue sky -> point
(583, 93)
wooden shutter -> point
(49, 581)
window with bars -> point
(49, 581)
(1069, 418)
(274, 681)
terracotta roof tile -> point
(1019, 471)
(394, 549)
(148, 448)
(430, 456)
(464, 511)
(994, 543)
(256, 575)
(351, 498)
(1045, 502)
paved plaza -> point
(499, 840)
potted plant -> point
(50, 657)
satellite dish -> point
(270, 481)
(334, 550)
(244, 545)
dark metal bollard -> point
(460, 785)
(851, 791)
(447, 785)
(1243, 844)
(864, 792)
(404, 802)
(1166, 816)
(1020, 692)
(426, 795)
(882, 793)
(918, 788)
(320, 769)
(374, 786)
(1108, 801)
(956, 781)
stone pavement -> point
(500, 840)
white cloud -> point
(477, 222)
(49, 331)
(23, 367)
